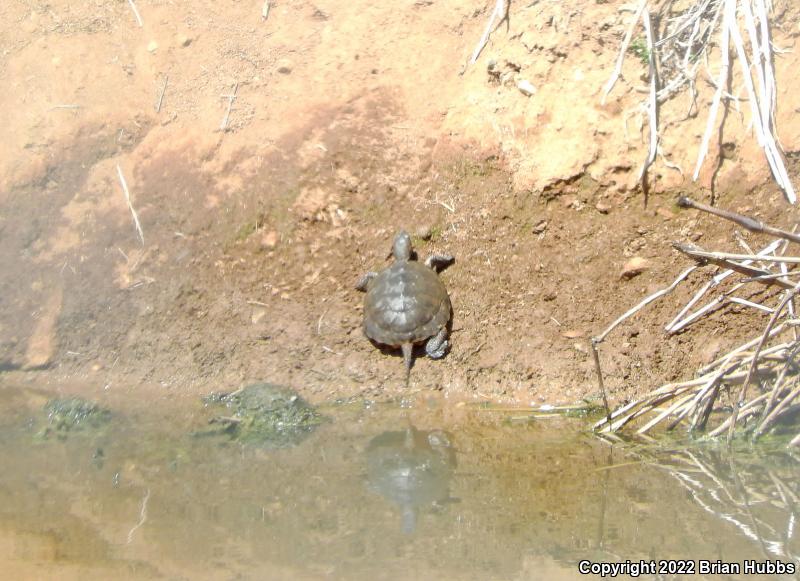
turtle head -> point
(402, 246)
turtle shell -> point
(406, 303)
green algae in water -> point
(66, 415)
(266, 414)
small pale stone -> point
(572, 334)
(424, 232)
(603, 207)
(526, 87)
(580, 348)
(635, 266)
(284, 66)
(540, 227)
(184, 40)
(152, 46)
(269, 240)
(665, 213)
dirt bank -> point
(350, 121)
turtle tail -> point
(407, 350)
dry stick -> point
(771, 276)
(650, 405)
(693, 18)
(747, 410)
(763, 126)
(738, 351)
(701, 419)
(755, 55)
(265, 10)
(161, 96)
(711, 386)
(130, 205)
(595, 341)
(500, 11)
(751, 304)
(697, 252)
(693, 301)
(652, 109)
(136, 13)
(600, 338)
(766, 46)
(743, 221)
(670, 410)
(599, 371)
(224, 125)
(754, 363)
(773, 416)
(723, 76)
(622, 50)
(719, 259)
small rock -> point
(152, 46)
(540, 227)
(269, 240)
(603, 207)
(526, 87)
(284, 66)
(665, 213)
(184, 40)
(634, 267)
(424, 232)
(572, 334)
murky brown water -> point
(381, 492)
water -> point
(383, 492)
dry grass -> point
(754, 387)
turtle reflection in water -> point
(266, 414)
(412, 469)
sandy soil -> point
(350, 121)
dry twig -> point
(130, 204)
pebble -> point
(284, 66)
(526, 87)
(152, 46)
(603, 207)
(424, 232)
(539, 227)
(634, 267)
(269, 240)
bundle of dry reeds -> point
(753, 387)
(679, 36)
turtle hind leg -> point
(437, 345)
(364, 281)
(408, 349)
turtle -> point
(407, 303)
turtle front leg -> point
(437, 345)
(364, 281)
(439, 262)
